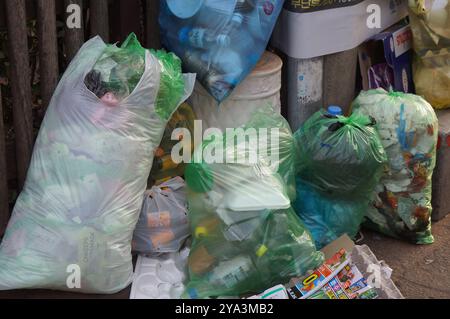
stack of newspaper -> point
(337, 278)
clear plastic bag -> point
(163, 225)
(430, 24)
(247, 238)
(340, 162)
(74, 220)
(408, 128)
(220, 41)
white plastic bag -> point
(163, 225)
(72, 225)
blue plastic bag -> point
(219, 40)
(340, 161)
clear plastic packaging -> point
(430, 24)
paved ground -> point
(419, 271)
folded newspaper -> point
(346, 274)
(337, 278)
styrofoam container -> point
(260, 88)
(160, 277)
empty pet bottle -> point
(245, 5)
(234, 25)
(202, 38)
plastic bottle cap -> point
(223, 40)
(262, 250)
(238, 18)
(201, 231)
(184, 9)
(192, 293)
(334, 110)
(183, 35)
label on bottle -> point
(230, 273)
(196, 37)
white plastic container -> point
(260, 88)
(321, 58)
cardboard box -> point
(386, 60)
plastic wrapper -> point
(408, 128)
(247, 238)
(340, 162)
(430, 24)
(72, 225)
(163, 225)
(220, 41)
(164, 168)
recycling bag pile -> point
(254, 206)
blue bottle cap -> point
(183, 35)
(184, 9)
(335, 110)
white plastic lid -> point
(258, 195)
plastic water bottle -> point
(245, 5)
(202, 38)
(214, 79)
(234, 25)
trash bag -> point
(430, 24)
(247, 238)
(340, 162)
(164, 168)
(72, 225)
(408, 128)
(329, 217)
(340, 156)
(163, 225)
(220, 41)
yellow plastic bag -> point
(430, 23)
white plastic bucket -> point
(260, 88)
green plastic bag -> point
(340, 156)
(247, 238)
(340, 161)
(408, 128)
(118, 71)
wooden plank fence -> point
(111, 19)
